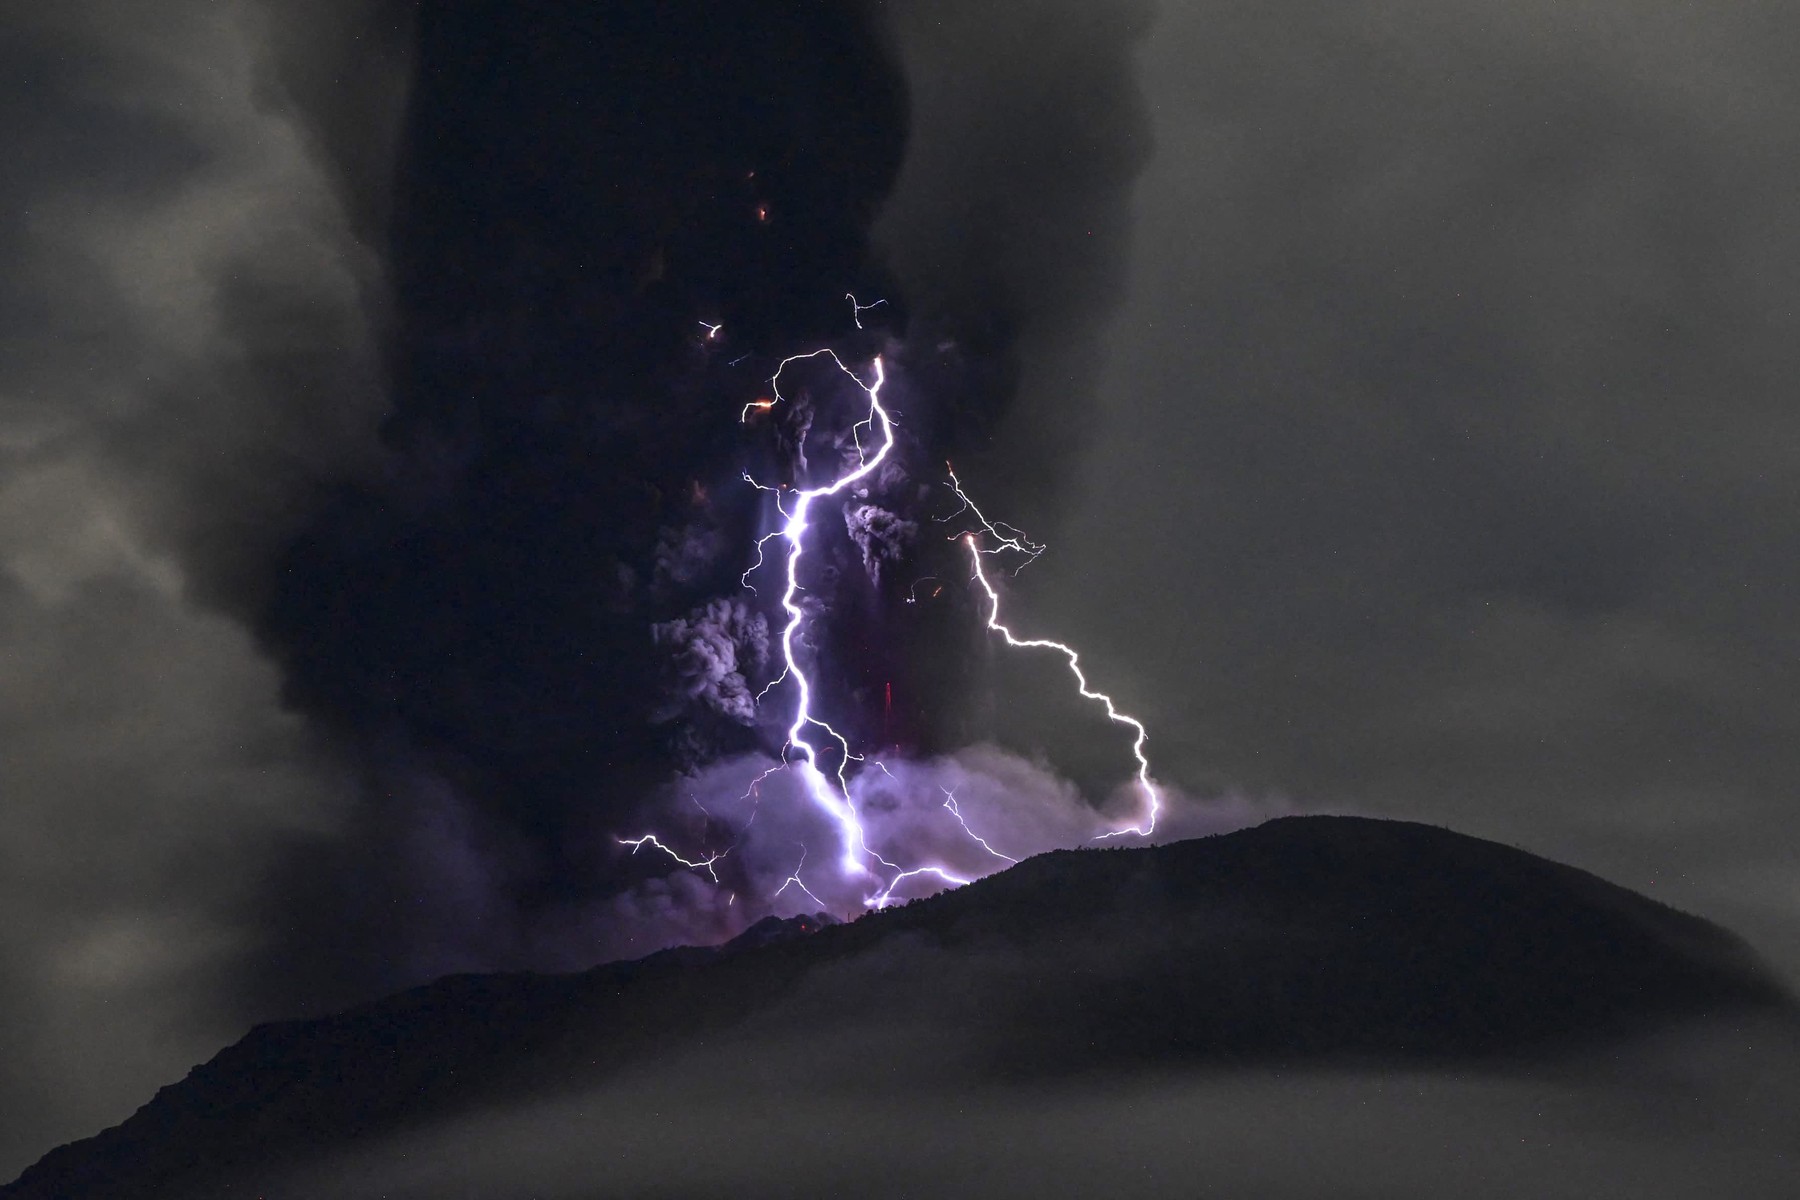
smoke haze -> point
(190, 353)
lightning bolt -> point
(757, 565)
(857, 310)
(885, 897)
(754, 791)
(950, 803)
(813, 749)
(835, 802)
(1153, 801)
(795, 881)
(650, 839)
(1008, 537)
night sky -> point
(1404, 392)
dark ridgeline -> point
(1305, 940)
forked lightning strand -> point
(1008, 537)
(650, 839)
(950, 803)
(794, 881)
(830, 789)
(1153, 802)
(834, 801)
(886, 896)
(857, 310)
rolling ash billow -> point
(819, 823)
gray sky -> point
(186, 347)
(1445, 452)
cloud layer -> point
(189, 353)
(1445, 465)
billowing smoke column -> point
(549, 470)
(828, 770)
(834, 801)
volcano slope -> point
(1309, 944)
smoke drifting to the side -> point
(1010, 222)
(189, 329)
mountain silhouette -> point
(1306, 940)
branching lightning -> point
(857, 310)
(650, 839)
(757, 565)
(794, 880)
(885, 897)
(1153, 801)
(1007, 537)
(955, 811)
(835, 802)
(820, 756)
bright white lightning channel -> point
(650, 839)
(1152, 800)
(795, 881)
(1008, 537)
(955, 811)
(795, 506)
(835, 802)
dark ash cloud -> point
(601, 255)
(712, 654)
(189, 329)
(609, 224)
(880, 536)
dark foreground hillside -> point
(1305, 942)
